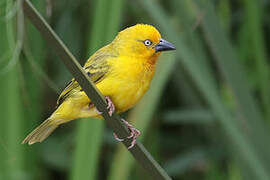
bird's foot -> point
(110, 106)
(117, 138)
(134, 133)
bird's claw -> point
(134, 133)
(98, 112)
(110, 106)
(117, 138)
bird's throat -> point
(153, 59)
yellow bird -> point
(121, 70)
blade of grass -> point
(254, 12)
(142, 115)
(224, 12)
(90, 131)
(187, 116)
(186, 161)
(114, 19)
(13, 153)
(32, 87)
(234, 173)
(14, 126)
(4, 47)
(86, 155)
(189, 22)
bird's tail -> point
(41, 132)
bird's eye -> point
(147, 42)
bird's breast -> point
(127, 83)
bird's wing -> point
(96, 68)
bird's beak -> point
(164, 45)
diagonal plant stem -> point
(138, 151)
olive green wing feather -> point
(96, 68)
(71, 86)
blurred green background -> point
(206, 115)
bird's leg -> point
(110, 106)
(134, 133)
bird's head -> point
(141, 41)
